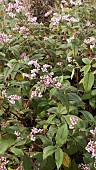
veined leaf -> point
(17, 151)
(49, 150)
(59, 155)
(88, 81)
(62, 135)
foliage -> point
(48, 87)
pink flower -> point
(74, 19)
(59, 63)
(90, 40)
(1, 1)
(4, 94)
(33, 20)
(45, 38)
(70, 39)
(91, 147)
(11, 14)
(84, 166)
(10, 7)
(12, 98)
(33, 132)
(71, 127)
(56, 20)
(93, 131)
(64, 2)
(36, 93)
(73, 121)
(34, 62)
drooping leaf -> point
(6, 141)
(59, 155)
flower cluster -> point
(91, 148)
(73, 121)
(45, 67)
(34, 62)
(48, 80)
(11, 98)
(36, 93)
(3, 163)
(90, 40)
(68, 18)
(88, 24)
(24, 56)
(4, 37)
(56, 19)
(78, 2)
(33, 132)
(18, 6)
(32, 20)
(84, 166)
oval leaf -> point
(49, 150)
(62, 135)
(88, 81)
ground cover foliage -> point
(48, 87)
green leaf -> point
(93, 93)
(52, 110)
(92, 102)
(1, 112)
(49, 150)
(59, 155)
(53, 92)
(37, 56)
(51, 117)
(86, 69)
(62, 134)
(2, 54)
(27, 163)
(86, 61)
(88, 116)
(6, 141)
(74, 97)
(88, 81)
(63, 98)
(17, 152)
(45, 140)
(15, 50)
